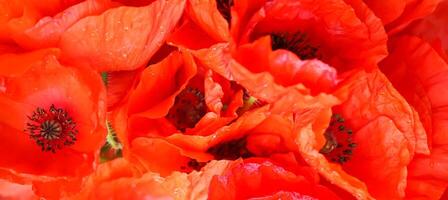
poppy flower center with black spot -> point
(339, 146)
(297, 43)
(51, 129)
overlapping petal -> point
(48, 30)
(122, 38)
(421, 75)
(396, 15)
(265, 180)
(116, 178)
(432, 29)
(356, 40)
(387, 134)
(203, 24)
(18, 16)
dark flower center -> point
(230, 150)
(52, 129)
(339, 146)
(224, 8)
(298, 43)
(189, 107)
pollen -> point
(298, 43)
(51, 129)
(189, 107)
(339, 146)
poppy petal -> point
(286, 68)
(432, 29)
(340, 38)
(244, 180)
(21, 15)
(400, 137)
(109, 42)
(16, 64)
(421, 76)
(205, 13)
(414, 9)
(116, 178)
(10, 191)
(387, 13)
(48, 30)
(204, 26)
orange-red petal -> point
(421, 76)
(356, 40)
(123, 38)
(48, 30)
(245, 180)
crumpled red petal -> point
(246, 180)
(386, 10)
(356, 40)
(21, 15)
(285, 67)
(48, 30)
(116, 178)
(414, 9)
(432, 28)
(13, 64)
(421, 76)
(122, 38)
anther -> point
(339, 144)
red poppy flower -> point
(421, 76)
(373, 134)
(197, 103)
(313, 29)
(180, 105)
(275, 37)
(49, 129)
(203, 115)
(287, 29)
